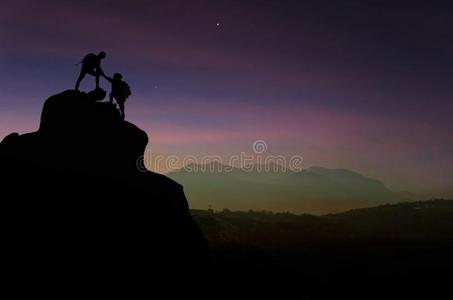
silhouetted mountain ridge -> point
(80, 207)
(404, 247)
(421, 220)
(314, 190)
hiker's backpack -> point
(124, 89)
(90, 60)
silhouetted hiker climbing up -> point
(120, 91)
(91, 64)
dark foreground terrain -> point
(405, 247)
(80, 218)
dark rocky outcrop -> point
(78, 214)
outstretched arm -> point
(105, 76)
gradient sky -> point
(362, 85)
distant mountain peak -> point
(213, 166)
(332, 171)
(268, 167)
(316, 190)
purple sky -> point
(366, 86)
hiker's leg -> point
(82, 74)
(97, 75)
(121, 103)
(111, 98)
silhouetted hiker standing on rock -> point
(91, 64)
(120, 91)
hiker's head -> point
(117, 76)
(101, 55)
